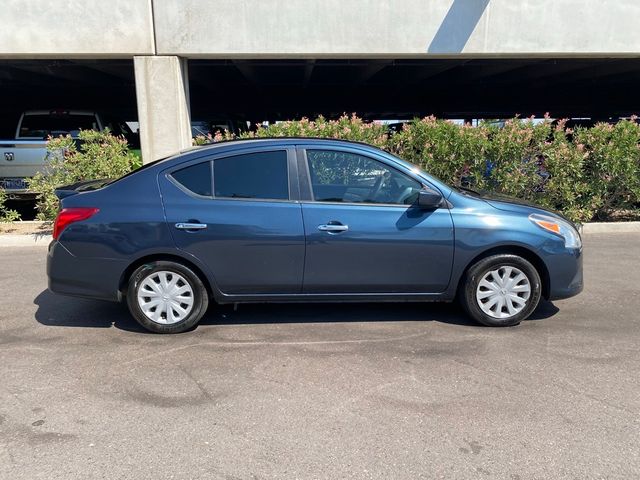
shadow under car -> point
(59, 311)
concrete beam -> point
(162, 91)
(327, 29)
(76, 29)
(393, 29)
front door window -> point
(346, 177)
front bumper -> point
(565, 274)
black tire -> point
(200, 296)
(470, 283)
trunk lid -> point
(78, 187)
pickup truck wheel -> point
(166, 297)
(501, 290)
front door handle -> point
(333, 228)
(191, 226)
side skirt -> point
(334, 298)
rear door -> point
(364, 235)
(240, 216)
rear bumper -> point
(83, 277)
(20, 195)
(565, 274)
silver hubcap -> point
(165, 297)
(503, 293)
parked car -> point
(206, 128)
(26, 155)
(396, 127)
(279, 220)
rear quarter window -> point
(195, 178)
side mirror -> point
(428, 198)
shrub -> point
(7, 215)
(448, 151)
(589, 173)
(566, 188)
(345, 128)
(611, 165)
(516, 155)
(96, 155)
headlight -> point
(558, 227)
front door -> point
(363, 233)
(243, 225)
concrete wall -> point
(330, 28)
(396, 27)
(75, 28)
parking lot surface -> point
(323, 391)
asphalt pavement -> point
(387, 391)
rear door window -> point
(260, 175)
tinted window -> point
(43, 125)
(196, 178)
(347, 177)
(253, 175)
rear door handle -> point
(330, 228)
(191, 226)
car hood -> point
(512, 204)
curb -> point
(611, 227)
(28, 240)
(43, 240)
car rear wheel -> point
(166, 297)
(501, 290)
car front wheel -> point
(501, 290)
(166, 297)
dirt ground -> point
(23, 228)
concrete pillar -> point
(162, 91)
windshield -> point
(43, 125)
(419, 171)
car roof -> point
(277, 141)
(230, 146)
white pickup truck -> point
(26, 155)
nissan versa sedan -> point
(299, 219)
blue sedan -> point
(299, 219)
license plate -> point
(13, 184)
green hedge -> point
(96, 155)
(586, 173)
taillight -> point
(67, 216)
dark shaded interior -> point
(105, 86)
(491, 88)
(259, 90)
